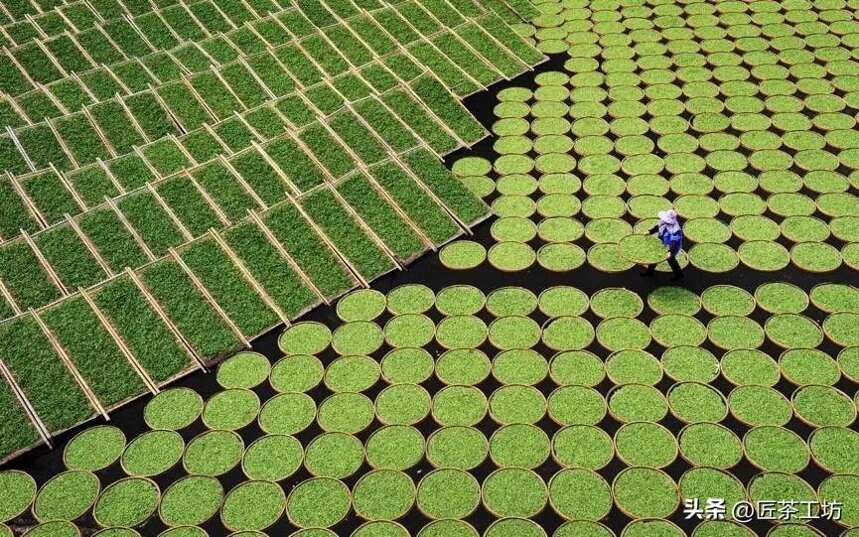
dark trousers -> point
(672, 262)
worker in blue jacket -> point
(671, 235)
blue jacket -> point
(673, 241)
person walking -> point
(671, 235)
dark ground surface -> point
(42, 463)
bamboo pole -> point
(269, 301)
(67, 361)
(208, 296)
(153, 303)
(37, 422)
(120, 343)
(285, 255)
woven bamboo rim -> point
(34, 487)
(831, 337)
(531, 352)
(246, 483)
(89, 430)
(658, 426)
(603, 268)
(472, 262)
(467, 527)
(613, 356)
(197, 397)
(787, 376)
(372, 326)
(844, 352)
(673, 526)
(677, 415)
(357, 292)
(497, 246)
(779, 344)
(721, 347)
(850, 261)
(384, 427)
(686, 427)
(681, 348)
(274, 366)
(795, 477)
(831, 388)
(734, 381)
(615, 389)
(721, 471)
(770, 310)
(204, 433)
(507, 387)
(433, 472)
(256, 398)
(332, 396)
(377, 369)
(135, 533)
(434, 415)
(602, 481)
(314, 471)
(303, 324)
(544, 292)
(589, 354)
(819, 305)
(445, 345)
(747, 262)
(745, 387)
(614, 484)
(178, 529)
(447, 428)
(667, 344)
(740, 527)
(805, 527)
(564, 465)
(262, 439)
(497, 345)
(815, 270)
(115, 483)
(624, 291)
(132, 474)
(658, 311)
(732, 287)
(486, 504)
(54, 478)
(369, 521)
(295, 489)
(810, 444)
(748, 456)
(272, 401)
(444, 356)
(401, 288)
(531, 523)
(605, 408)
(400, 349)
(237, 356)
(735, 259)
(541, 253)
(493, 231)
(613, 320)
(549, 322)
(530, 427)
(214, 512)
(40, 527)
(452, 289)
